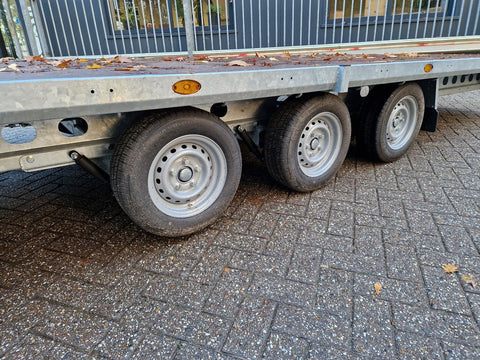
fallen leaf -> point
(35, 58)
(94, 66)
(450, 268)
(227, 270)
(260, 55)
(238, 63)
(82, 60)
(377, 287)
(286, 54)
(64, 64)
(272, 59)
(470, 279)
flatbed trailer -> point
(165, 130)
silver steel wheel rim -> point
(320, 144)
(402, 122)
(187, 176)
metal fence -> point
(108, 27)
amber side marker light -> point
(186, 87)
(428, 68)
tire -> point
(307, 141)
(390, 129)
(174, 173)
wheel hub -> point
(319, 144)
(187, 175)
(401, 123)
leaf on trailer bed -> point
(35, 58)
(82, 60)
(64, 64)
(13, 67)
(238, 63)
(94, 66)
(450, 268)
(377, 287)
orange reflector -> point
(186, 87)
(428, 68)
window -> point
(156, 14)
(364, 8)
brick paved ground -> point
(281, 275)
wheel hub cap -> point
(185, 174)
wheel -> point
(307, 140)
(389, 130)
(175, 173)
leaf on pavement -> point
(377, 287)
(470, 279)
(450, 268)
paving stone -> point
(228, 293)
(335, 293)
(314, 325)
(474, 302)
(259, 263)
(457, 239)
(435, 323)
(319, 351)
(454, 351)
(341, 223)
(286, 291)
(392, 290)
(156, 346)
(187, 352)
(119, 343)
(305, 264)
(368, 241)
(415, 346)
(373, 332)
(240, 242)
(281, 346)
(210, 265)
(249, 332)
(353, 262)
(402, 263)
(445, 291)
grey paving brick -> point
(210, 265)
(353, 262)
(474, 302)
(454, 351)
(319, 351)
(445, 291)
(282, 290)
(368, 241)
(421, 222)
(305, 264)
(281, 346)
(435, 323)
(392, 290)
(240, 242)
(341, 223)
(373, 332)
(415, 346)
(254, 262)
(156, 346)
(328, 329)
(249, 332)
(335, 293)
(457, 239)
(402, 263)
(228, 293)
(119, 343)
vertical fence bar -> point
(334, 21)
(69, 18)
(227, 23)
(234, 7)
(452, 15)
(318, 22)
(162, 32)
(435, 18)
(137, 27)
(251, 24)
(309, 22)
(260, 23)
(95, 26)
(360, 15)
(285, 22)
(154, 28)
(426, 20)
(55, 30)
(476, 19)
(368, 19)
(376, 21)
(418, 18)
(194, 27)
(276, 22)
(144, 26)
(84, 48)
(443, 17)
(189, 29)
(301, 22)
(385, 20)
(351, 22)
(293, 23)
(343, 22)
(39, 24)
(394, 9)
(468, 18)
(401, 20)
(11, 26)
(28, 28)
(88, 28)
(410, 19)
(219, 27)
(460, 17)
(202, 26)
(117, 13)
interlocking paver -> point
(280, 275)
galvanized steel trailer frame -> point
(103, 101)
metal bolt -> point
(192, 183)
(177, 186)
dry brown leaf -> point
(286, 54)
(260, 55)
(238, 63)
(470, 279)
(227, 270)
(35, 58)
(82, 60)
(450, 268)
(64, 64)
(377, 287)
(94, 66)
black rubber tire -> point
(372, 133)
(136, 151)
(282, 140)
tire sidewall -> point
(144, 211)
(383, 150)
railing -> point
(108, 27)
